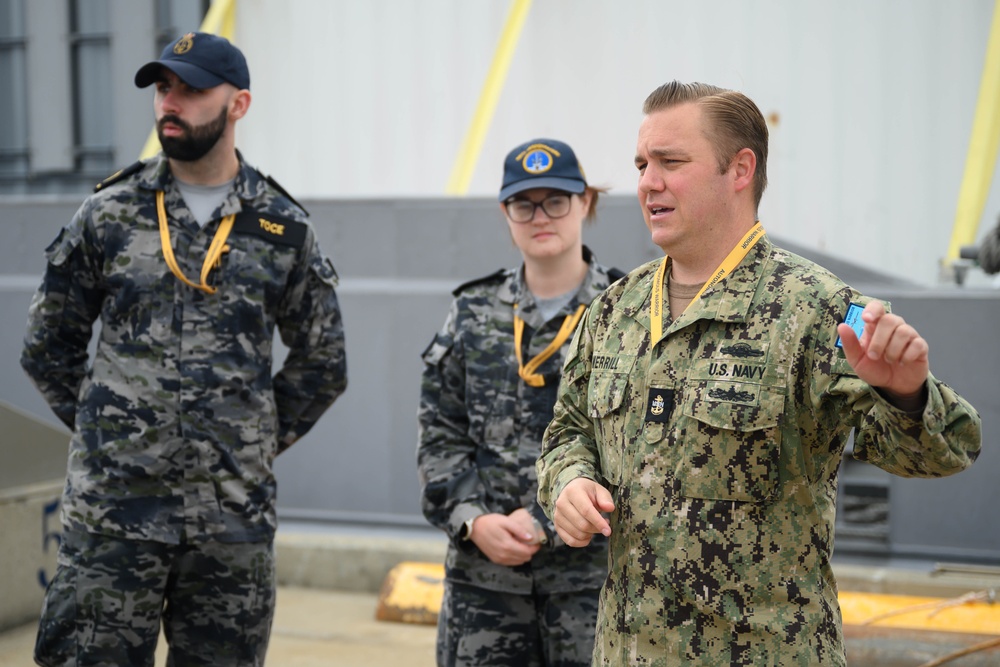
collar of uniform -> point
(595, 282)
(634, 299)
(249, 183)
(156, 175)
(515, 290)
(727, 301)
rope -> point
(986, 595)
(982, 646)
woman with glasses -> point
(514, 594)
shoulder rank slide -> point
(277, 186)
(495, 276)
(119, 175)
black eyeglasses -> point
(523, 210)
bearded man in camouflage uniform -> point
(705, 440)
(189, 261)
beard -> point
(196, 142)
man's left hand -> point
(891, 355)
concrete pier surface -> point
(329, 581)
(312, 628)
(328, 585)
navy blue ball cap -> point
(200, 60)
(542, 163)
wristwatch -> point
(465, 532)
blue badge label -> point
(853, 320)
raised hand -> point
(890, 355)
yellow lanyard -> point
(212, 259)
(527, 371)
(735, 256)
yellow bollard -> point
(411, 593)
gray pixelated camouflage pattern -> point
(481, 430)
(105, 603)
(177, 419)
(725, 500)
(480, 627)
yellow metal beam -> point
(468, 155)
(983, 144)
(219, 20)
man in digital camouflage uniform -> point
(706, 418)
(189, 261)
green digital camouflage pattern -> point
(481, 430)
(721, 451)
(104, 605)
(177, 419)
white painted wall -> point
(873, 101)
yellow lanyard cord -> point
(735, 256)
(527, 371)
(212, 259)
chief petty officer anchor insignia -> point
(660, 405)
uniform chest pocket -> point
(606, 394)
(731, 440)
(255, 271)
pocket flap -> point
(735, 406)
(609, 379)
